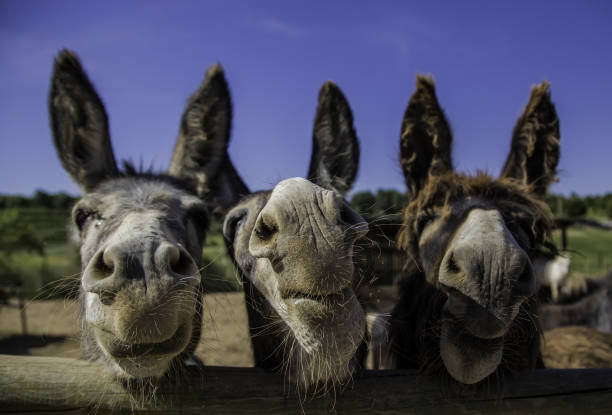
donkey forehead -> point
(460, 190)
(125, 195)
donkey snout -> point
(175, 260)
(113, 268)
(109, 271)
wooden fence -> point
(49, 384)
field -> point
(590, 250)
(53, 330)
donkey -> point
(466, 311)
(587, 303)
(293, 248)
(140, 233)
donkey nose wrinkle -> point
(485, 263)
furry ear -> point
(534, 153)
(204, 133)
(335, 147)
(426, 139)
(79, 124)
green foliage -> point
(590, 250)
(40, 199)
(594, 207)
(218, 272)
(364, 203)
(17, 234)
(386, 202)
(608, 209)
(575, 207)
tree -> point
(42, 199)
(609, 209)
(575, 206)
(390, 201)
(63, 201)
(16, 235)
(364, 203)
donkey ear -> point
(79, 124)
(204, 134)
(335, 148)
(534, 153)
(426, 139)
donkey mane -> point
(150, 174)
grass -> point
(218, 271)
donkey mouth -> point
(119, 349)
(467, 357)
(333, 299)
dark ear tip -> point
(331, 93)
(215, 74)
(329, 88)
(425, 82)
(67, 61)
(541, 91)
(215, 70)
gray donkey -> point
(293, 246)
(141, 234)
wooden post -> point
(30, 384)
(564, 237)
(22, 310)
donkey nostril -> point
(265, 231)
(180, 263)
(451, 265)
(104, 267)
(174, 255)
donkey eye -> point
(81, 217)
(199, 215)
(426, 219)
(233, 223)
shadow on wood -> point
(29, 384)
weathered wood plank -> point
(30, 384)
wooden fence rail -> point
(47, 384)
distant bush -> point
(609, 209)
(385, 202)
(575, 207)
(364, 203)
(40, 199)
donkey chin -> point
(141, 333)
(333, 324)
(329, 331)
(472, 340)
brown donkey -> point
(293, 247)
(466, 306)
(140, 233)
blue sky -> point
(146, 58)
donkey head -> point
(294, 245)
(141, 234)
(474, 237)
